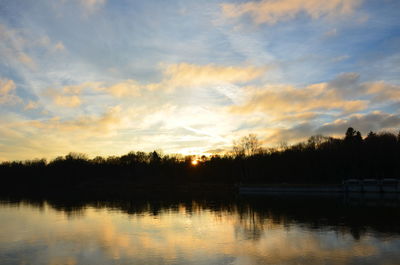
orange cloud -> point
(17, 43)
(27, 60)
(67, 101)
(191, 75)
(186, 75)
(94, 124)
(59, 46)
(88, 6)
(122, 89)
(69, 96)
(56, 136)
(6, 86)
(374, 121)
(273, 11)
(31, 105)
(281, 100)
(383, 91)
(7, 92)
(92, 4)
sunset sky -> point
(106, 77)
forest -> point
(319, 160)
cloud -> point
(11, 37)
(59, 47)
(348, 85)
(340, 58)
(63, 99)
(6, 86)
(67, 101)
(295, 117)
(293, 113)
(92, 5)
(12, 47)
(98, 125)
(49, 45)
(273, 11)
(27, 60)
(19, 46)
(7, 92)
(85, 7)
(374, 121)
(123, 89)
(344, 91)
(69, 96)
(383, 91)
(31, 105)
(281, 99)
(331, 33)
(94, 134)
(191, 75)
(292, 134)
(184, 75)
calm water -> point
(257, 231)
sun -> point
(195, 162)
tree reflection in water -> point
(265, 230)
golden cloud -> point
(122, 89)
(16, 44)
(67, 101)
(281, 100)
(383, 91)
(88, 7)
(31, 105)
(273, 11)
(27, 60)
(6, 86)
(59, 46)
(7, 92)
(374, 121)
(186, 75)
(191, 75)
(95, 124)
(69, 96)
(58, 136)
(92, 4)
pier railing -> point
(372, 185)
(348, 186)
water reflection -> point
(269, 230)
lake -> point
(263, 230)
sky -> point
(106, 77)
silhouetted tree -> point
(316, 141)
(371, 134)
(353, 136)
(246, 146)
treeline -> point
(319, 160)
(328, 160)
